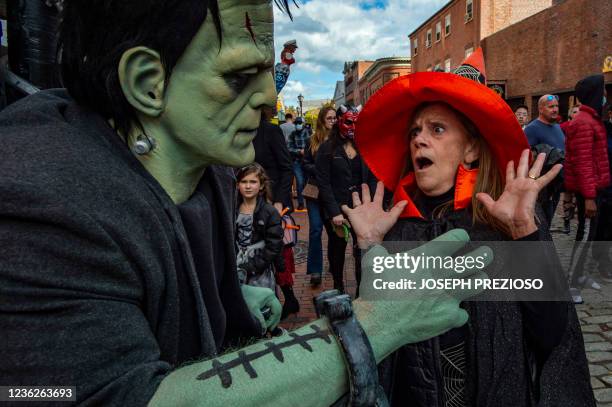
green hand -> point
(258, 298)
(393, 318)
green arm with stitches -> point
(262, 373)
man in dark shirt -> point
(545, 129)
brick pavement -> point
(595, 314)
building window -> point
(447, 65)
(428, 40)
(447, 24)
(469, 10)
(438, 31)
(468, 51)
(415, 44)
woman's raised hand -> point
(516, 206)
(368, 218)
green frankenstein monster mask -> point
(192, 78)
(209, 109)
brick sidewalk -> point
(301, 287)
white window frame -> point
(438, 31)
(415, 47)
(469, 10)
(469, 51)
(428, 38)
(447, 25)
(447, 65)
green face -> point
(215, 94)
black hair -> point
(94, 34)
(288, 116)
(521, 107)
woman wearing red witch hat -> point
(448, 147)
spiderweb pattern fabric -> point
(468, 71)
(453, 374)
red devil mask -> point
(347, 120)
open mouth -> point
(422, 163)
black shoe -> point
(291, 305)
(315, 280)
(606, 276)
(339, 285)
(566, 226)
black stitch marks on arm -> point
(222, 370)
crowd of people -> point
(582, 143)
(327, 168)
(145, 227)
(447, 165)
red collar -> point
(464, 189)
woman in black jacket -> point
(339, 172)
(325, 122)
(448, 150)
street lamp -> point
(301, 100)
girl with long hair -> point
(259, 234)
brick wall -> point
(463, 35)
(489, 16)
(550, 51)
(499, 14)
(372, 83)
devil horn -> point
(343, 109)
(358, 108)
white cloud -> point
(309, 66)
(330, 33)
(291, 91)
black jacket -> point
(90, 245)
(267, 227)
(334, 178)
(272, 154)
(501, 337)
(308, 165)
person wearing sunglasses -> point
(546, 130)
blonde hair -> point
(321, 133)
(489, 179)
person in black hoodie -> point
(339, 172)
(272, 154)
(443, 153)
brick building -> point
(452, 33)
(550, 51)
(353, 71)
(379, 73)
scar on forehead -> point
(249, 27)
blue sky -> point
(330, 32)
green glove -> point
(393, 318)
(258, 299)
